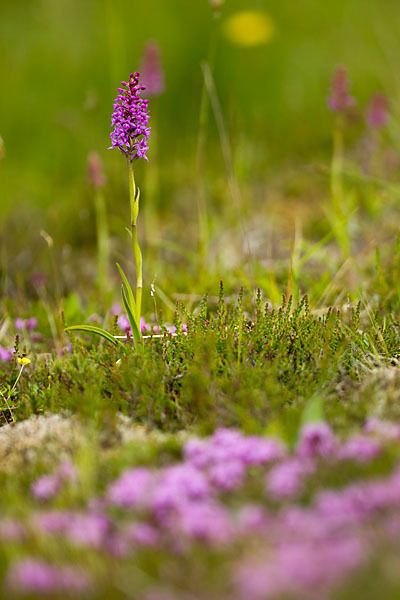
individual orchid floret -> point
(130, 120)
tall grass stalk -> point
(339, 212)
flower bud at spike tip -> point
(130, 119)
(152, 71)
(95, 174)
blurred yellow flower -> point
(23, 360)
(249, 28)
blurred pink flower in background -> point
(27, 324)
(95, 173)
(339, 99)
(5, 354)
(152, 71)
(377, 113)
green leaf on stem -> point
(97, 331)
(137, 336)
(131, 297)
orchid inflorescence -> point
(130, 135)
(130, 120)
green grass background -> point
(61, 63)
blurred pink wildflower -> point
(95, 173)
(377, 114)
(31, 576)
(151, 68)
(339, 99)
(27, 324)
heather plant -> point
(130, 135)
(238, 362)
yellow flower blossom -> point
(23, 360)
(249, 28)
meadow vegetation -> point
(234, 431)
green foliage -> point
(243, 364)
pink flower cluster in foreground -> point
(240, 496)
(38, 577)
(48, 486)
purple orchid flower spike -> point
(130, 120)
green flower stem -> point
(337, 189)
(16, 381)
(134, 200)
(139, 281)
(337, 164)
